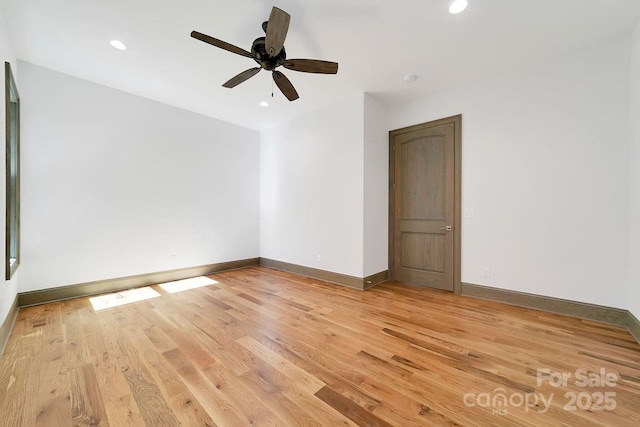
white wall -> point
(634, 187)
(545, 169)
(376, 187)
(311, 189)
(117, 185)
(8, 289)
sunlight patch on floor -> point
(186, 284)
(121, 298)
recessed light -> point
(410, 78)
(264, 104)
(458, 6)
(118, 45)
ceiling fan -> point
(269, 53)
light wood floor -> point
(261, 347)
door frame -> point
(457, 214)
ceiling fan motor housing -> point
(266, 61)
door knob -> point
(447, 228)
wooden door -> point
(425, 205)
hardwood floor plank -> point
(301, 378)
(251, 408)
(276, 383)
(283, 408)
(21, 379)
(120, 405)
(145, 392)
(159, 338)
(331, 368)
(349, 409)
(22, 383)
(179, 399)
(123, 411)
(404, 411)
(87, 407)
(218, 406)
(54, 399)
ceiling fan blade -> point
(311, 66)
(285, 86)
(219, 43)
(277, 28)
(243, 76)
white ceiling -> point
(376, 42)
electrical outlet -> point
(319, 258)
(469, 214)
(486, 272)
